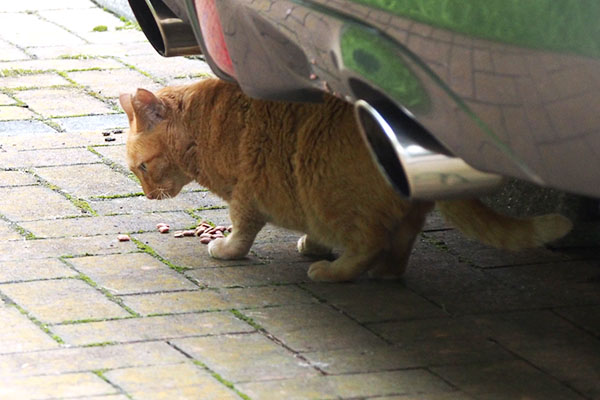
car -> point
(452, 96)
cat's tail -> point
(477, 221)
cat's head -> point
(147, 154)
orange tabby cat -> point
(299, 166)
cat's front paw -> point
(222, 249)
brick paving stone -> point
(116, 154)
(63, 102)
(26, 270)
(151, 328)
(28, 5)
(313, 328)
(82, 20)
(248, 357)
(92, 122)
(68, 247)
(9, 52)
(33, 81)
(92, 50)
(115, 37)
(250, 275)
(176, 302)
(505, 380)
(112, 83)
(6, 100)
(187, 252)
(80, 359)
(61, 300)
(14, 178)
(13, 128)
(184, 201)
(34, 202)
(47, 157)
(63, 65)
(131, 273)
(376, 301)
(348, 386)
(106, 225)
(7, 232)
(488, 257)
(18, 334)
(9, 113)
(178, 380)
(54, 386)
(166, 69)
(100, 180)
(23, 141)
(587, 318)
(454, 395)
(38, 33)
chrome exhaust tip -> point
(414, 162)
(167, 33)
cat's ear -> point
(125, 100)
(148, 109)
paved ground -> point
(85, 316)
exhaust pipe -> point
(167, 33)
(413, 161)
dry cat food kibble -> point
(123, 238)
(163, 228)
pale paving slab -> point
(313, 328)
(18, 334)
(47, 157)
(34, 202)
(102, 225)
(179, 381)
(176, 302)
(54, 386)
(54, 140)
(82, 20)
(39, 32)
(32, 128)
(348, 386)
(250, 275)
(376, 301)
(249, 357)
(131, 273)
(125, 36)
(29, 5)
(4, 99)
(11, 113)
(209, 300)
(100, 180)
(505, 380)
(62, 65)
(33, 81)
(91, 123)
(7, 232)
(63, 102)
(114, 82)
(61, 300)
(81, 359)
(187, 252)
(26, 270)
(150, 328)
(183, 201)
(10, 53)
(15, 178)
(167, 68)
(66, 247)
(93, 50)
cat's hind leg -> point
(247, 222)
(392, 263)
(352, 263)
(307, 246)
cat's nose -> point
(150, 196)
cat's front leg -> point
(307, 246)
(247, 222)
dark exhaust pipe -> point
(167, 33)
(413, 161)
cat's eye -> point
(143, 167)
